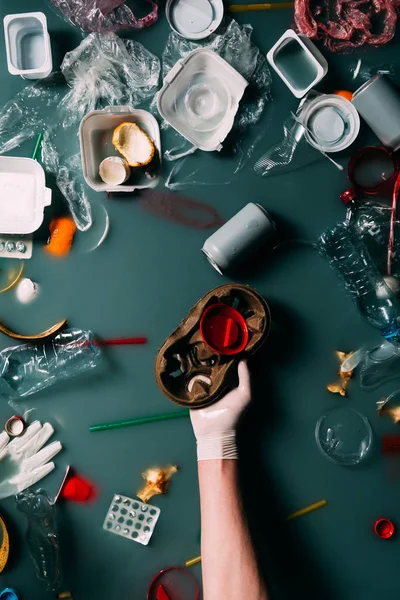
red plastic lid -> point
(384, 528)
(349, 195)
(223, 329)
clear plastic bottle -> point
(349, 257)
(29, 368)
(42, 535)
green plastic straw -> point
(38, 146)
(140, 421)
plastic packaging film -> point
(105, 15)
(42, 535)
(233, 43)
(345, 25)
(293, 150)
(103, 70)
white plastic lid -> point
(200, 98)
(333, 121)
(23, 195)
(194, 19)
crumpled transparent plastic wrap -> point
(106, 15)
(233, 43)
(42, 535)
(293, 151)
(103, 70)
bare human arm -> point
(229, 564)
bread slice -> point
(134, 144)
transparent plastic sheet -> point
(293, 151)
(177, 180)
(42, 535)
(362, 71)
(345, 25)
(106, 15)
(30, 368)
(233, 43)
(103, 70)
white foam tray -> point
(95, 134)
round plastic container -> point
(223, 329)
(373, 170)
(344, 436)
(384, 528)
(194, 19)
(333, 121)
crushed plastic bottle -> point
(42, 535)
(29, 368)
(348, 255)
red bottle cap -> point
(349, 195)
(76, 489)
(384, 528)
(223, 329)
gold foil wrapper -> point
(157, 481)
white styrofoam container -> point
(23, 195)
(178, 82)
(28, 45)
(310, 54)
(95, 135)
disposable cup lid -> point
(223, 329)
(194, 19)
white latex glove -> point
(24, 461)
(215, 425)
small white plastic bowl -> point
(194, 19)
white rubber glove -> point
(24, 461)
(215, 425)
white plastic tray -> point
(28, 45)
(218, 78)
(23, 195)
(95, 134)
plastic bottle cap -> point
(223, 329)
(14, 426)
(349, 195)
(384, 528)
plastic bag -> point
(105, 15)
(42, 535)
(30, 368)
(293, 151)
(233, 43)
(105, 70)
(345, 25)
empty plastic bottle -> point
(42, 535)
(29, 368)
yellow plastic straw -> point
(254, 7)
(298, 513)
(193, 561)
(306, 510)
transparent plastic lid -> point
(200, 98)
(344, 436)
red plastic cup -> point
(384, 528)
(174, 583)
(224, 329)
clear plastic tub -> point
(28, 45)
(96, 131)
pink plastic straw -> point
(120, 341)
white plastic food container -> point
(95, 134)
(298, 62)
(28, 45)
(200, 98)
(23, 195)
